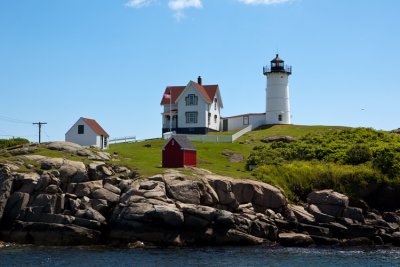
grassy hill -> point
(146, 156)
(359, 162)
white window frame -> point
(245, 120)
(191, 117)
(191, 100)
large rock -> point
(145, 189)
(26, 182)
(329, 201)
(70, 147)
(233, 192)
(235, 237)
(105, 194)
(90, 214)
(182, 189)
(85, 189)
(301, 214)
(15, 205)
(295, 240)
(6, 183)
(354, 214)
(51, 234)
(318, 215)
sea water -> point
(226, 256)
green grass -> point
(224, 133)
(290, 130)
(146, 156)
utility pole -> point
(39, 124)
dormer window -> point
(191, 100)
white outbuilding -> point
(87, 132)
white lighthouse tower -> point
(278, 107)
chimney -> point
(199, 80)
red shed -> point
(178, 152)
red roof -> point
(95, 127)
(207, 91)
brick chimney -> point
(200, 80)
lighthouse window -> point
(279, 117)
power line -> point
(13, 120)
(39, 124)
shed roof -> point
(95, 127)
(183, 142)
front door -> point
(225, 125)
(101, 141)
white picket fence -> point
(125, 139)
(212, 138)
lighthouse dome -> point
(277, 59)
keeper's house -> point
(191, 109)
(87, 132)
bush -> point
(4, 143)
(300, 178)
(358, 154)
(387, 160)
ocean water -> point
(228, 256)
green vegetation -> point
(350, 161)
(146, 156)
(5, 143)
(354, 161)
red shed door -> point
(172, 155)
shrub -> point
(387, 160)
(358, 154)
(299, 178)
(4, 143)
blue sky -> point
(111, 60)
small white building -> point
(87, 132)
(242, 121)
(191, 109)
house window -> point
(81, 129)
(191, 117)
(215, 118)
(215, 104)
(191, 100)
(245, 120)
(280, 117)
(209, 118)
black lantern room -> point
(277, 65)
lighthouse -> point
(278, 107)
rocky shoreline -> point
(54, 201)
